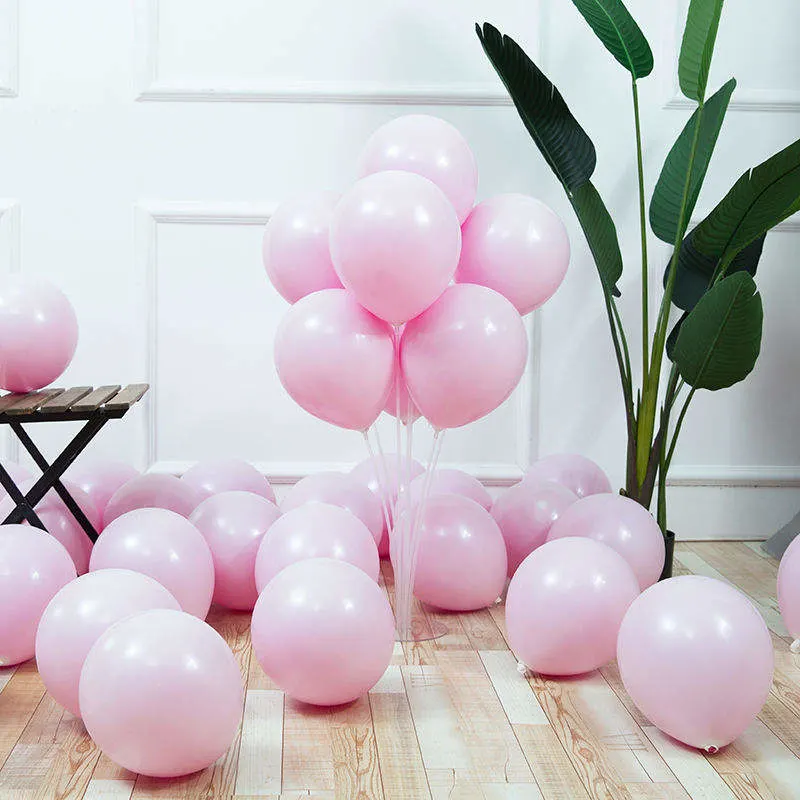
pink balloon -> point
(578, 473)
(161, 694)
(338, 489)
(38, 333)
(335, 359)
(452, 481)
(165, 546)
(696, 658)
(316, 530)
(227, 475)
(789, 590)
(461, 562)
(464, 356)
(152, 491)
(295, 248)
(517, 246)
(33, 567)
(408, 411)
(303, 617)
(565, 604)
(78, 615)
(100, 479)
(233, 525)
(525, 513)
(430, 147)
(395, 242)
(17, 473)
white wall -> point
(143, 145)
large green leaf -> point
(697, 47)
(600, 232)
(564, 144)
(719, 341)
(665, 204)
(620, 34)
(673, 335)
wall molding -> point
(9, 83)
(753, 476)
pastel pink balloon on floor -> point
(295, 248)
(101, 478)
(38, 333)
(335, 359)
(316, 530)
(452, 481)
(33, 567)
(464, 356)
(161, 694)
(461, 562)
(234, 525)
(430, 147)
(79, 614)
(395, 242)
(227, 475)
(152, 491)
(789, 591)
(338, 489)
(165, 546)
(565, 604)
(578, 473)
(696, 658)
(623, 525)
(517, 246)
(525, 513)
(303, 617)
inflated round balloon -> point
(38, 333)
(161, 694)
(565, 604)
(165, 546)
(696, 658)
(623, 525)
(517, 246)
(452, 481)
(525, 513)
(395, 242)
(338, 489)
(789, 591)
(461, 561)
(295, 249)
(17, 472)
(335, 359)
(33, 567)
(578, 473)
(78, 615)
(234, 524)
(227, 475)
(100, 479)
(152, 491)
(430, 147)
(316, 530)
(464, 356)
(302, 620)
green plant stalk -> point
(643, 229)
(672, 391)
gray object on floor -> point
(777, 543)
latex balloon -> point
(578, 473)
(517, 246)
(234, 524)
(430, 147)
(161, 694)
(33, 567)
(38, 333)
(452, 481)
(152, 491)
(696, 658)
(461, 562)
(17, 473)
(303, 617)
(525, 513)
(623, 525)
(565, 604)
(338, 489)
(295, 248)
(789, 591)
(165, 546)
(227, 475)
(78, 615)
(395, 242)
(409, 413)
(101, 479)
(335, 359)
(316, 530)
(464, 356)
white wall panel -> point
(9, 48)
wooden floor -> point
(450, 719)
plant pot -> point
(669, 547)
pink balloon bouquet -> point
(152, 491)
(452, 481)
(578, 473)
(101, 479)
(789, 591)
(227, 475)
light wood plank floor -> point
(450, 719)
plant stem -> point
(673, 389)
(643, 228)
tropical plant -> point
(710, 275)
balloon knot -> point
(712, 749)
(795, 646)
(522, 669)
(498, 601)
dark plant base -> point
(669, 545)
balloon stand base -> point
(422, 629)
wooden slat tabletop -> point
(63, 402)
(93, 400)
(127, 397)
(28, 403)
